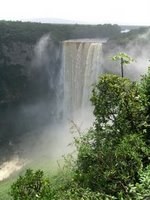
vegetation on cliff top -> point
(29, 32)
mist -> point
(43, 139)
(138, 49)
(33, 135)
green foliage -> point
(145, 92)
(61, 187)
(107, 167)
(141, 190)
(126, 59)
(111, 155)
(29, 32)
(31, 186)
(13, 83)
(117, 106)
(77, 193)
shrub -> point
(112, 153)
(141, 190)
(32, 185)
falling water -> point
(82, 64)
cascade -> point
(82, 64)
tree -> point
(117, 101)
(141, 190)
(112, 153)
(145, 91)
(31, 186)
(124, 60)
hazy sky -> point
(135, 12)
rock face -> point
(17, 53)
(28, 83)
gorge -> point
(46, 75)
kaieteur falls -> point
(81, 65)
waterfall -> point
(82, 64)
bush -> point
(111, 154)
(31, 186)
(141, 190)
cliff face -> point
(21, 64)
(15, 62)
(17, 53)
(28, 84)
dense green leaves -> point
(31, 186)
(145, 98)
(141, 190)
(28, 32)
(111, 155)
(126, 59)
(117, 105)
